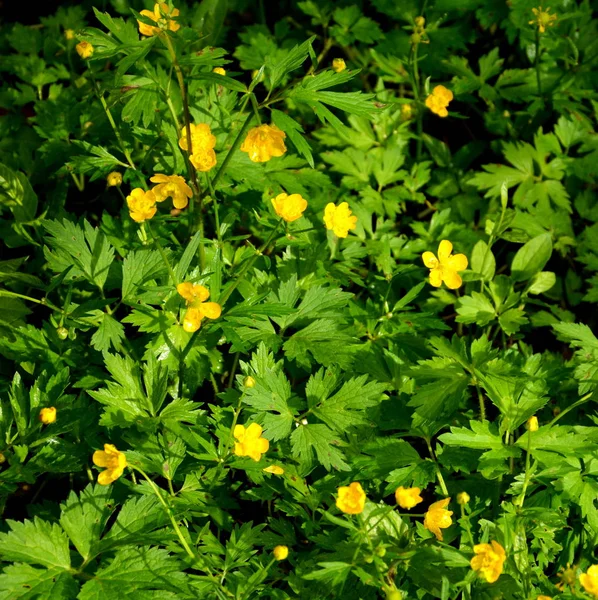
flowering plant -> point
(299, 302)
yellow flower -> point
(290, 208)
(542, 597)
(438, 517)
(264, 142)
(340, 219)
(589, 580)
(2, 458)
(113, 460)
(69, 34)
(274, 469)
(280, 552)
(543, 18)
(142, 205)
(84, 49)
(351, 499)
(196, 296)
(47, 415)
(162, 16)
(338, 64)
(488, 560)
(114, 179)
(445, 267)
(250, 441)
(219, 71)
(249, 381)
(406, 112)
(532, 423)
(203, 157)
(408, 497)
(463, 498)
(438, 100)
(174, 186)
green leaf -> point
(334, 573)
(542, 282)
(188, 255)
(36, 542)
(24, 582)
(309, 438)
(109, 333)
(19, 402)
(483, 261)
(512, 320)
(481, 436)
(531, 257)
(124, 31)
(475, 308)
(140, 267)
(294, 131)
(287, 62)
(16, 193)
(84, 517)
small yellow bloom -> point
(532, 423)
(203, 157)
(290, 208)
(142, 205)
(542, 597)
(113, 460)
(264, 142)
(351, 499)
(340, 219)
(463, 498)
(114, 179)
(274, 469)
(2, 458)
(162, 17)
(249, 381)
(445, 267)
(408, 497)
(173, 186)
(250, 441)
(406, 112)
(280, 552)
(84, 49)
(589, 580)
(47, 415)
(219, 71)
(488, 560)
(543, 18)
(438, 100)
(420, 22)
(196, 296)
(438, 517)
(69, 34)
(338, 65)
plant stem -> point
(216, 216)
(571, 407)
(43, 301)
(417, 95)
(163, 255)
(438, 473)
(527, 469)
(482, 403)
(537, 63)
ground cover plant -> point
(298, 300)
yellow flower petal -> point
(436, 277)
(212, 310)
(430, 260)
(452, 279)
(458, 262)
(444, 250)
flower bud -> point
(381, 551)
(114, 179)
(62, 333)
(219, 71)
(532, 423)
(280, 552)
(420, 22)
(463, 498)
(69, 34)
(47, 415)
(338, 65)
(249, 381)
(2, 458)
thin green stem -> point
(467, 525)
(537, 63)
(482, 403)
(216, 216)
(162, 254)
(527, 469)
(437, 466)
(417, 96)
(571, 407)
(43, 301)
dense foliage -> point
(297, 300)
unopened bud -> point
(62, 333)
(249, 381)
(420, 22)
(532, 423)
(463, 498)
(2, 458)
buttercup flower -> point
(69, 34)
(160, 15)
(438, 517)
(113, 460)
(47, 415)
(290, 208)
(408, 497)
(532, 423)
(84, 49)
(174, 186)
(264, 142)
(274, 469)
(250, 441)
(488, 560)
(196, 296)
(142, 205)
(351, 499)
(280, 552)
(438, 100)
(340, 219)
(589, 580)
(445, 267)
(219, 71)
(542, 18)
(542, 597)
(338, 64)
(463, 498)
(203, 157)
(114, 179)
(406, 112)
